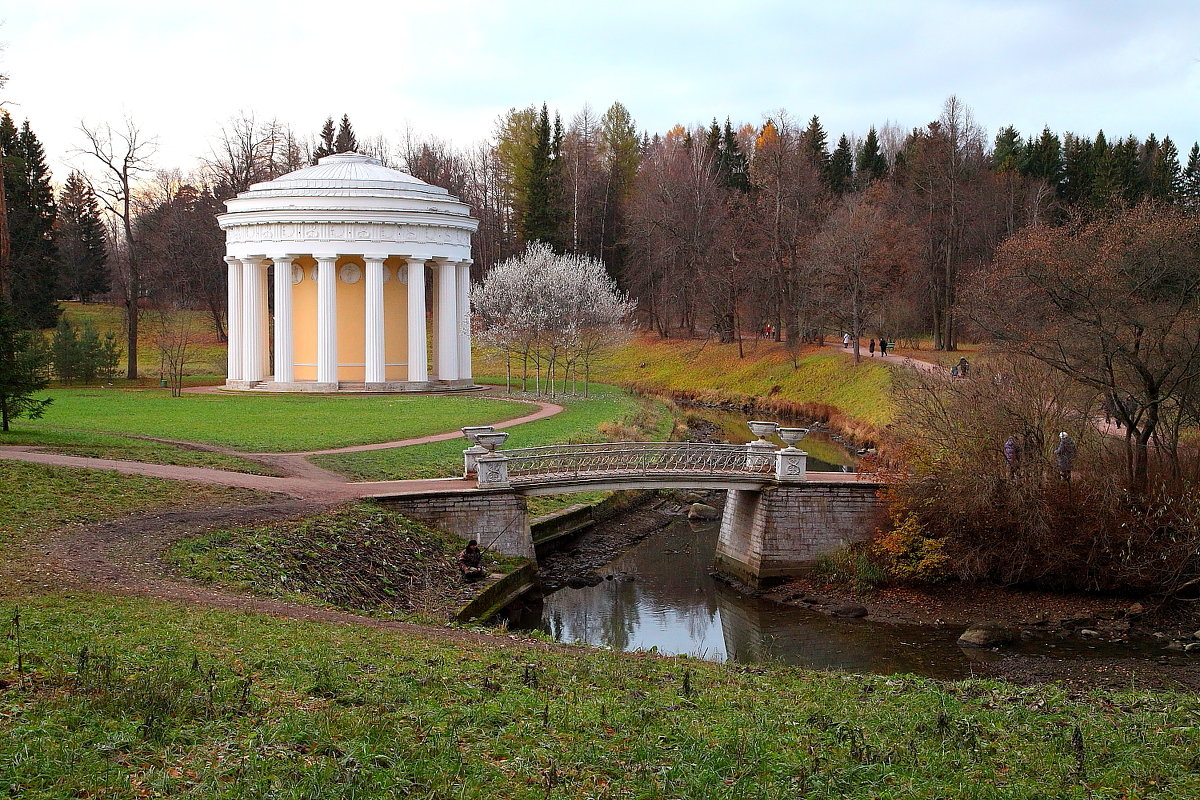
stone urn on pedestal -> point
(791, 463)
(471, 454)
(760, 454)
(492, 467)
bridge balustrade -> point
(565, 462)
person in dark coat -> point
(1065, 454)
(963, 367)
(1012, 455)
(871, 348)
(470, 561)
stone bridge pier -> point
(781, 531)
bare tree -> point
(123, 155)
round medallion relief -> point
(297, 274)
(350, 273)
(315, 272)
(387, 273)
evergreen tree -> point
(79, 236)
(81, 355)
(1078, 173)
(1166, 179)
(1147, 155)
(326, 145)
(31, 214)
(872, 164)
(815, 146)
(1008, 153)
(841, 167)
(346, 141)
(23, 367)
(540, 221)
(1190, 189)
(713, 143)
(1044, 159)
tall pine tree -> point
(325, 145)
(815, 146)
(346, 142)
(540, 221)
(841, 167)
(79, 235)
(33, 275)
(872, 164)
(1165, 178)
(1191, 179)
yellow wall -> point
(351, 344)
(395, 321)
(304, 322)
(351, 299)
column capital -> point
(255, 259)
(416, 259)
(374, 259)
(284, 257)
(326, 259)
(231, 260)
(466, 262)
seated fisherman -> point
(470, 561)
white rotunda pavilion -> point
(353, 246)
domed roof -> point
(346, 171)
(348, 203)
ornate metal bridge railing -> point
(564, 463)
(528, 465)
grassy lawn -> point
(583, 420)
(124, 448)
(360, 557)
(131, 698)
(274, 423)
(824, 375)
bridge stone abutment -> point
(496, 518)
(780, 531)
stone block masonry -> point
(783, 530)
(497, 519)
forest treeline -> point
(715, 230)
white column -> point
(447, 322)
(327, 355)
(254, 328)
(284, 355)
(418, 340)
(464, 319)
(233, 328)
(374, 321)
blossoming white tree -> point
(556, 312)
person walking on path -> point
(871, 348)
(882, 347)
(845, 340)
(1065, 454)
(1012, 455)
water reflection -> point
(661, 596)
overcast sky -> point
(182, 69)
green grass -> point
(541, 506)
(825, 376)
(124, 448)
(37, 498)
(274, 423)
(128, 698)
(360, 557)
(580, 421)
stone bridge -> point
(779, 518)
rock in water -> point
(702, 511)
(850, 610)
(987, 634)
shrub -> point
(910, 554)
(83, 355)
(853, 567)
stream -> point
(661, 595)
